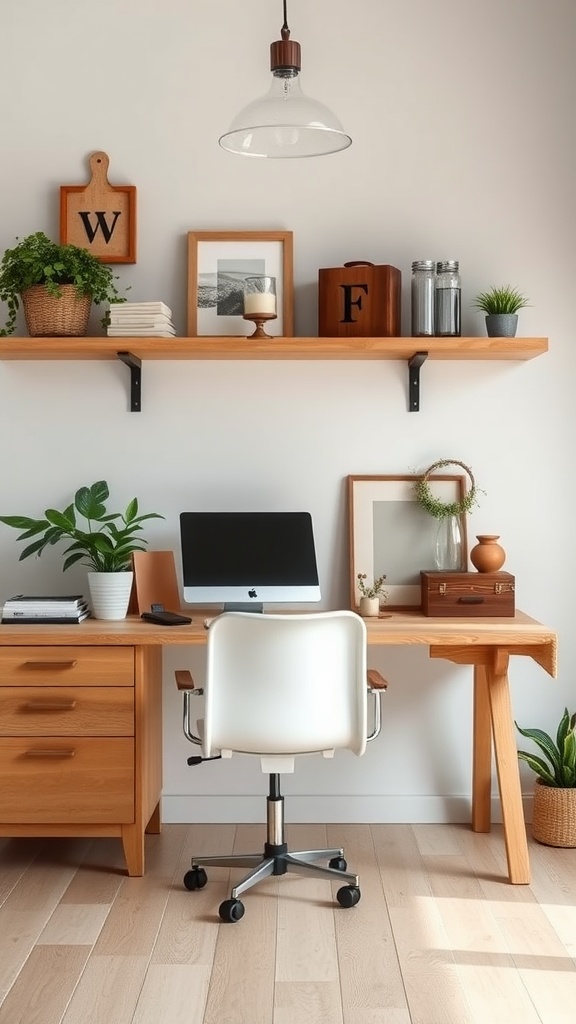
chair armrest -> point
(184, 680)
(377, 686)
(375, 680)
(185, 683)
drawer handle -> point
(50, 664)
(471, 599)
(50, 705)
(63, 752)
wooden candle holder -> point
(260, 319)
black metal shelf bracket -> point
(134, 364)
(414, 365)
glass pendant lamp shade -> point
(285, 123)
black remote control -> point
(166, 618)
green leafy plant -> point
(501, 300)
(375, 589)
(37, 260)
(440, 509)
(105, 542)
(559, 768)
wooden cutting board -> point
(99, 216)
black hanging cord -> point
(285, 28)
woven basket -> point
(50, 317)
(554, 815)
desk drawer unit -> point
(73, 761)
(62, 757)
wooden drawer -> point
(66, 711)
(73, 781)
(67, 666)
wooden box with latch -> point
(359, 300)
(467, 594)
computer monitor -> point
(243, 559)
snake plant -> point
(559, 768)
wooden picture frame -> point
(230, 256)
(391, 533)
(98, 216)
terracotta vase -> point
(487, 555)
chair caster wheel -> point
(231, 911)
(196, 878)
(338, 863)
(348, 895)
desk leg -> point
(506, 758)
(482, 754)
(133, 844)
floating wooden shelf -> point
(276, 348)
(133, 350)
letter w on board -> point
(100, 223)
(99, 216)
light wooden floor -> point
(438, 938)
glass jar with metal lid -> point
(447, 303)
(422, 296)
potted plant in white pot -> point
(371, 594)
(554, 811)
(104, 544)
(57, 285)
(501, 307)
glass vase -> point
(449, 546)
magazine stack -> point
(36, 610)
(140, 320)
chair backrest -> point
(286, 684)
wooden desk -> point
(81, 658)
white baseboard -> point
(340, 809)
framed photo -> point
(390, 533)
(219, 262)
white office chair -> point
(278, 686)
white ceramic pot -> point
(369, 606)
(110, 593)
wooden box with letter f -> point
(359, 300)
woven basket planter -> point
(50, 317)
(554, 815)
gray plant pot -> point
(501, 325)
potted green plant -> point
(371, 594)
(501, 307)
(104, 543)
(554, 812)
(57, 285)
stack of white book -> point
(35, 610)
(140, 320)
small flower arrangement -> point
(375, 589)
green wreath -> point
(440, 509)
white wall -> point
(462, 117)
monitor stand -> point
(240, 606)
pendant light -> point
(285, 123)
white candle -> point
(259, 302)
